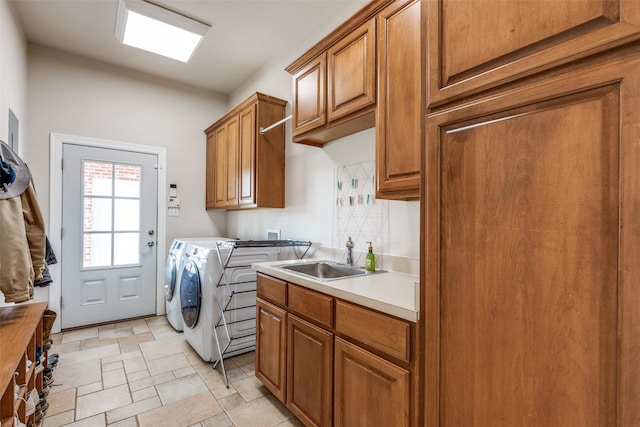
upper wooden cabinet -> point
(399, 110)
(351, 72)
(246, 169)
(334, 82)
(366, 73)
(309, 96)
(473, 45)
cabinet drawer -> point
(378, 330)
(314, 305)
(272, 289)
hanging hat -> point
(14, 173)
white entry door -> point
(109, 200)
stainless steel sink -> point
(325, 270)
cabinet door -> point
(271, 347)
(351, 74)
(247, 161)
(309, 372)
(399, 110)
(309, 97)
(369, 391)
(220, 172)
(210, 184)
(233, 148)
(473, 45)
(532, 299)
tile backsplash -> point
(358, 214)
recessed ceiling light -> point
(159, 30)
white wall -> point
(76, 96)
(309, 176)
(13, 74)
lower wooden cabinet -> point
(271, 347)
(309, 372)
(369, 391)
(318, 371)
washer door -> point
(190, 294)
(170, 274)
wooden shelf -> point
(20, 331)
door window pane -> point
(97, 214)
(127, 181)
(96, 250)
(126, 248)
(126, 215)
(98, 177)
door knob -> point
(151, 244)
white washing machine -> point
(201, 307)
(172, 272)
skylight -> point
(155, 29)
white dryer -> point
(201, 308)
(172, 272)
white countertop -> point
(393, 293)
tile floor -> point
(142, 373)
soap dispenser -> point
(370, 263)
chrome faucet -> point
(350, 251)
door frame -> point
(57, 140)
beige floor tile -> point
(79, 335)
(115, 333)
(164, 347)
(132, 342)
(102, 401)
(249, 369)
(183, 412)
(151, 381)
(291, 422)
(236, 373)
(134, 364)
(67, 377)
(250, 388)
(220, 420)
(262, 412)
(114, 378)
(168, 363)
(132, 410)
(135, 376)
(161, 320)
(196, 425)
(183, 372)
(162, 331)
(61, 402)
(231, 402)
(215, 384)
(95, 421)
(58, 420)
(129, 422)
(143, 394)
(65, 348)
(244, 359)
(122, 356)
(112, 366)
(96, 342)
(89, 388)
(181, 388)
(139, 326)
(86, 355)
(122, 325)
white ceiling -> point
(245, 34)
